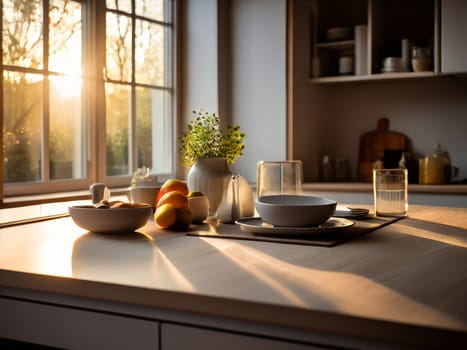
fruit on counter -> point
(176, 198)
(168, 216)
(172, 209)
(172, 185)
(184, 218)
(199, 205)
(165, 216)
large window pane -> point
(118, 104)
(118, 47)
(146, 139)
(22, 33)
(66, 129)
(22, 114)
(65, 119)
(65, 37)
(149, 53)
(144, 125)
(154, 129)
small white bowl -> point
(295, 210)
(110, 219)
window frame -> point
(94, 59)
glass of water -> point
(390, 192)
(279, 177)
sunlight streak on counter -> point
(298, 285)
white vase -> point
(209, 176)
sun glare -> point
(68, 86)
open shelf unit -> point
(378, 29)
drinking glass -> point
(279, 177)
(390, 192)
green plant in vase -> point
(207, 150)
(205, 139)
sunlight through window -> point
(55, 96)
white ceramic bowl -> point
(110, 220)
(295, 210)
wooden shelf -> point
(373, 77)
(336, 45)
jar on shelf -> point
(422, 59)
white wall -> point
(250, 87)
(198, 81)
(428, 112)
(199, 57)
(258, 85)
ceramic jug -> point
(237, 201)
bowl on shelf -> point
(110, 220)
(339, 33)
(295, 210)
(393, 65)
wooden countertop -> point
(405, 282)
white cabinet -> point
(453, 40)
(69, 328)
(176, 337)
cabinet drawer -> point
(74, 329)
(175, 337)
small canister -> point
(435, 169)
(431, 170)
(346, 65)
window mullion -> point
(45, 149)
(99, 120)
(132, 144)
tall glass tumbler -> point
(279, 177)
(390, 192)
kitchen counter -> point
(458, 189)
(404, 285)
(450, 195)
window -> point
(87, 92)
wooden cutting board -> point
(374, 143)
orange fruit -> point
(165, 216)
(176, 198)
(183, 220)
(172, 185)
